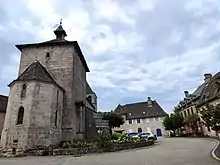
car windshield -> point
(132, 134)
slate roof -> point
(199, 90)
(211, 90)
(3, 103)
(141, 110)
(88, 89)
(36, 71)
(60, 30)
(55, 42)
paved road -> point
(175, 151)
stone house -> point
(210, 96)
(206, 93)
(3, 107)
(49, 102)
(187, 107)
(142, 117)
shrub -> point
(116, 136)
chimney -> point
(186, 93)
(149, 102)
(207, 78)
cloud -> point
(147, 5)
(111, 10)
(134, 49)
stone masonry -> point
(60, 99)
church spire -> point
(60, 32)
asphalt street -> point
(167, 151)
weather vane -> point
(61, 21)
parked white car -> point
(147, 135)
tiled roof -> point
(141, 110)
(55, 42)
(211, 90)
(3, 103)
(36, 71)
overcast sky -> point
(134, 48)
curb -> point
(213, 151)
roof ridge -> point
(139, 102)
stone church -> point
(50, 101)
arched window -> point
(23, 91)
(20, 116)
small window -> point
(57, 99)
(138, 120)
(47, 55)
(20, 116)
(23, 91)
(181, 114)
(144, 113)
(188, 112)
(130, 121)
(185, 115)
(15, 141)
(192, 111)
(129, 114)
(56, 118)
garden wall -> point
(89, 150)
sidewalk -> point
(217, 150)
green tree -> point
(168, 124)
(173, 122)
(115, 120)
(211, 116)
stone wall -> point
(43, 129)
(79, 88)
(67, 70)
(11, 131)
(89, 150)
(94, 100)
(90, 127)
(2, 120)
(39, 113)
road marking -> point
(213, 151)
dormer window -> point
(90, 98)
